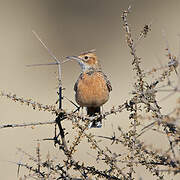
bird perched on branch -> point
(92, 87)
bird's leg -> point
(99, 120)
(82, 113)
(102, 112)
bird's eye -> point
(86, 57)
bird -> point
(92, 88)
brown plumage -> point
(92, 87)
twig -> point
(26, 124)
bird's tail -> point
(94, 111)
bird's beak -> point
(79, 60)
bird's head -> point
(87, 61)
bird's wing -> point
(108, 83)
(76, 84)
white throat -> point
(84, 67)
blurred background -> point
(69, 27)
